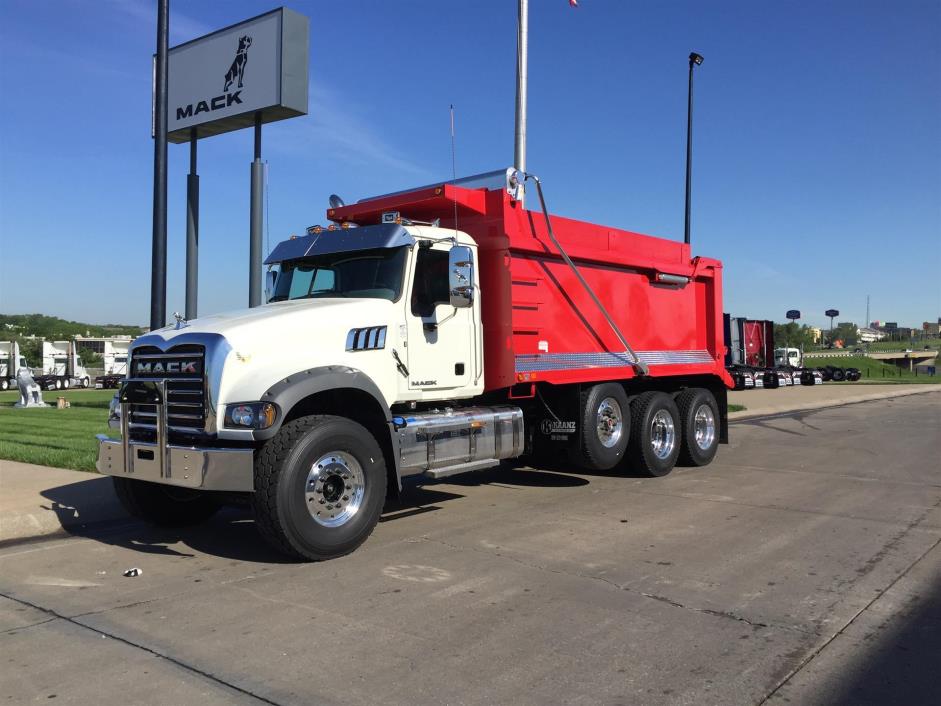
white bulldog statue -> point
(30, 394)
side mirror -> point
(461, 276)
(270, 278)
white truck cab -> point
(367, 334)
(11, 362)
(788, 356)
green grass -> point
(737, 408)
(891, 346)
(64, 438)
(873, 370)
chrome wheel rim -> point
(335, 489)
(704, 427)
(662, 434)
(609, 422)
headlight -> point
(250, 415)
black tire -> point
(58, 384)
(4, 384)
(281, 500)
(641, 453)
(839, 375)
(85, 383)
(699, 443)
(164, 505)
(604, 406)
(66, 384)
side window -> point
(300, 281)
(324, 281)
(431, 281)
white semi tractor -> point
(11, 362)
(62, 367)
(788, 357)
(115, 364)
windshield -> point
(373, 274)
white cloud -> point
(339, 129)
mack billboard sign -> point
(218, 82)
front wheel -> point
(4, 384)
(66, 383)
(320, 484)
(85, 383)
(164, 505)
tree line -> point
(29, 329)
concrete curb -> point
(38, 501)
(791, 406)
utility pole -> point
(158, 264)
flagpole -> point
(522, 50)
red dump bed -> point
(540, 324)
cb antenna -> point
(453, 163)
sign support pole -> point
(256, 220)
(192, 231)
(158, 265)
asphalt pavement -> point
(803, 566)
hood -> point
(285, 321)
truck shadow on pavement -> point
(897, 661)
(90, 510)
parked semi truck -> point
(429, 332)
(11, 362)
(753, 362)
(114, 359)
(62, 367)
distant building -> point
(877, 324)
(932, 329)
(815, 333)
(868, 335)
(890, 326)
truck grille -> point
(182, 367)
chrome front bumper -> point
(190, 467)
(187, 466)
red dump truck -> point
(433, 331)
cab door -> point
(441, 338)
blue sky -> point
(817, 172)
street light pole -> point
(694, 59)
